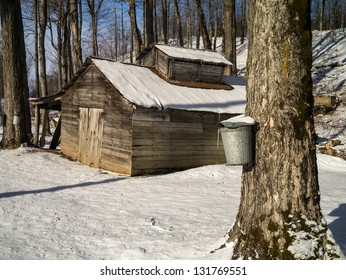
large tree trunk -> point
(203, 25)
(229, 26)
(75, 28)
(279, 215)
(16, 91)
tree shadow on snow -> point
(59, 188)
(338, 227)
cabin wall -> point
(195, 71)
(175, 139)
(150, 59)
(162, 62)
(211, 73)
(96, 124)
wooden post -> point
(37, 124)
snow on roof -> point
(142, 87)
(193, 54)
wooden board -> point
(90, 136)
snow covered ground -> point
(53, 208)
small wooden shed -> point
(184, 64)
(128, 119)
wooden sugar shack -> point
(134, 119)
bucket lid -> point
(238, 121)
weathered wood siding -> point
(162, 62)
(175, 139)
(150, 59)
(211, 73)
(194, 71)
(184, 71)
(93, 106)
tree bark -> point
(243, 21)
(134, 27)
(94, 11)
(322, 14)
(229, 26)
(180, 28)
(188, 24)
(149, 22)
(216, 23)
(76, 39)
(280, 202)
(165, 20)
(203, 25)
(16, 90)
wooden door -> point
(90, 136)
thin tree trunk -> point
(211, 19)
(322, 14)
(180, 28)
(229, 27)
(243, 21)
(134, 28)
(16, 90)
(149, 22)
(342, 23)
(94, 10)
(216, 23)
(43, 70)
(37, 69)
(203, 25)
(188, 24)
(279, 210)
(165, 20)
(116, 32)
(156, 36)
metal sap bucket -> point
(16, 120)
(237, 140)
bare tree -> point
(94, 7)
(165, 20)
(280, 202)
(229, 27)
(74, 15)
(16, 91)
(322, 14)
(43, 70)
(149, 22)
(189, 24)
(180, 28)
(134, 28)
(243, 21)
(203, 25)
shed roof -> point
(142, 87)
(206, 56)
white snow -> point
(54, 208)
(193, 54)
(238, 121)
(142, 87)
